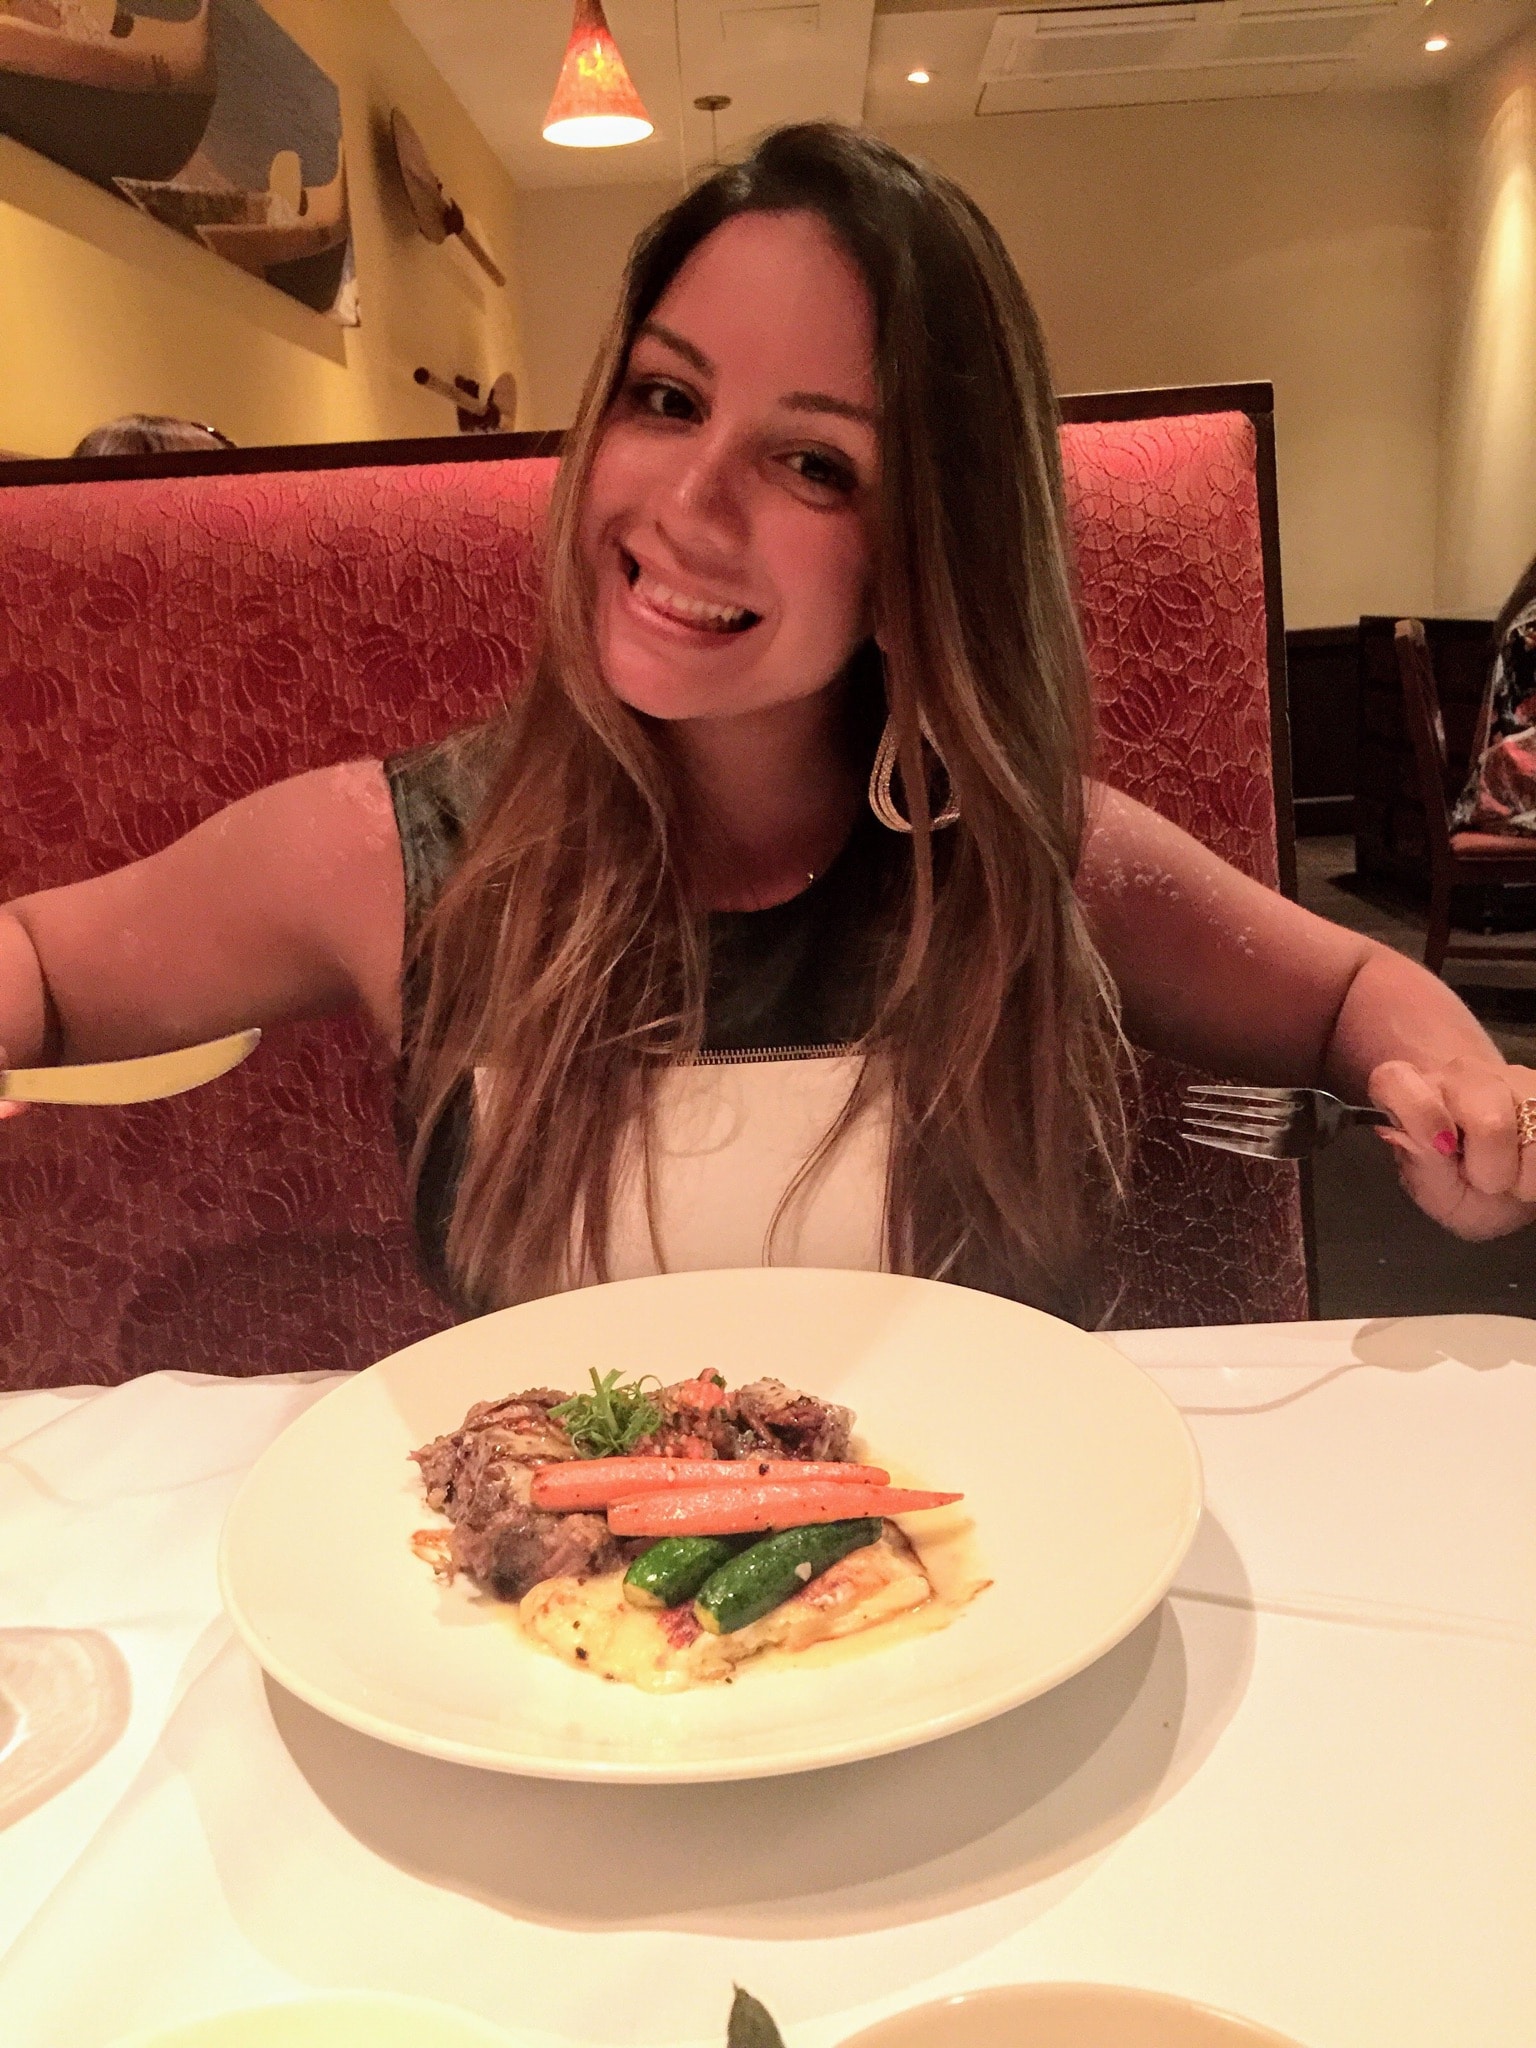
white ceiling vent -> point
(1031, 53)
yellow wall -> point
(1488, 509)
(1297, 240)
(104, 311)
(571, 252)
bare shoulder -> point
(347, 807)
(340, 818)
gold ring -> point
(1525, 1121)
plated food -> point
(1080, 1481)
(666, 1536)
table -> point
(1304, 1789)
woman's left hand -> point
(1458, 1148)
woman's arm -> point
(289, 904)
(1216, 970)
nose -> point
(702, 512)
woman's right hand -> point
(8, 1108)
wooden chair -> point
(1455, 858)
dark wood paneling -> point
(1323, 687)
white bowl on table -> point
(1066, 2016)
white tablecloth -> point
(1305, 1789)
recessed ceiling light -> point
(1438, 43)
(919, 77)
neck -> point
(770, 797)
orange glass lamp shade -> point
(595, 104)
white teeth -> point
(696, 609)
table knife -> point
(142, 1080)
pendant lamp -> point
(595, 104)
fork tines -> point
(1260, 1122)
(1217, 1092)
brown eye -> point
(661, 400)
(821, 470)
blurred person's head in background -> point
(148, 433)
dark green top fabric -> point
(798, 975)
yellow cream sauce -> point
(945, 1546)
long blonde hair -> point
(564, 954)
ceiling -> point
(782, 60)
(777, 63)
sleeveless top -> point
(791, 989)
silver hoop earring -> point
(881, 800)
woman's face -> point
(728, 517)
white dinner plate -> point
(1066, 2016)
(1079, 1474)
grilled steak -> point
(772, 1417)
(485, 1465)
(522, 1546)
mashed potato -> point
(589, 1623)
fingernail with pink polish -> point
(1447, 1144)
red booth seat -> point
(171, 642)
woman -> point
(1500, 795)
(800, 766)
(151, 433)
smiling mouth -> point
(697, 612)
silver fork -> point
(1268, 1123)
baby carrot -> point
(742, 1510)
(597, 1482)
(705, 1392)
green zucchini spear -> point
(752, 1584)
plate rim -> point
(1173, 2002)
(956, 1721)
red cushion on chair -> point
(1494, 846)
(1165, 515)
(169, 646)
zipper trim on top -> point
(759, 1055)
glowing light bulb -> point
(595, 105)
(919, 77)
(1438, 43)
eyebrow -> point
(793, 401)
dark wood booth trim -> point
(84, 469)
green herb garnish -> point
(611, 1419)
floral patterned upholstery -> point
(1165, 517)
(169, 645)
